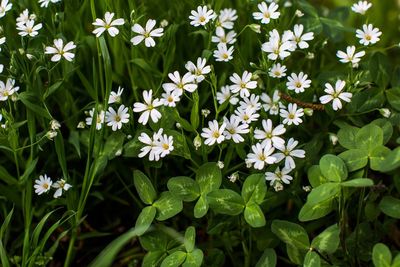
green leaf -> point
(386, 127)
(201, 207)
(323, 192)
(379, 69)
(291, 234)
(253, 215)
(185, 188)
(4, 227)
(315, 176)
(194, 115)
(367, 100)
(154, 241)
(226, 201)
(190, 238)
(391, 161)
(327, 241)
(378, 156)
(390, 206)
(396, 261)
(168, 205)
(181, 148)
(145, 219)
(369, 137)
(393, 97)
(347, 137)
(194, 258)
(295, 255)
(113, 144)
(153, 258)
(381, 255)
(333, 168)
(209, 177)
(174, 260)
(355, 159)
(144, 187)
(307, 8)
(312, 259)
(254, 188)
(268, 258)
(312, 212)
(358, 182)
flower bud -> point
(197, 142)
(385, 112)
(278, 186)
(299, 13)
(308, 111)
(51, 134)
(205, 112)
(333, 138)
(220, 164)
(81, 125)
(55, 125)
(233, 177)
(255, 28)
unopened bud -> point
(385, 112)
(278, 187)
(55, 125)
(333, 138)
(81, 125)
(178, 125)
(255, 28)
(164, 23)
(197, 142)
(233, 177)
(51, 134)
(220, 164)
(299, 13)
(307, 188)
(205, 112)
(308, 111)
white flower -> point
(180, 84)
(279, 176)
(271, 104)
(269, 134)
(292, 115)
(361, 7)
(277, 47)
(223, 53)
(252, 102)
(198, 70)
(335, 95)
(233, 177)
(288, 152)
(60, 185)
(242, 84)
(146, 33)
(152, 148)
(170, 99)
(1, 68)
(108, 24)
(55, 125)
(165, 145)
(350, 55)
(148, 109)
(213, 133)
(7, 89)
(226, 18)
(4, 7)
(45, 3)
(225, 94)
(115, 97)
(99, 118)
(2, 41)
(261, 156)
(368, 34)
(205, 112)
(234, 129)
(266, 12)
(298, 83)
(115, 119)
(385, 112)
(43, 184)
(221, 37)
(24, 17)
(202, 16)
(297, 38)
(277, 71)
(29, 28)
(247, 115)
(59, 50)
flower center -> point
(180, 85)
(267, 15)
(165, 146)
(232, 131)
(146, 35)
(46, 186)
(150, 107)
(277, 73)
(298, 84)
(202, 19)
(242, 85)
(261, 157)
(170, 99)
(246, 117)
(117, 118)
(368, 37)
(216, 134)
(291, 116)
(268, 135)
(225, 56)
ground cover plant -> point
(199, 133)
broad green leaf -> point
(153, 258)
(312, 259)
(226, 201)
(367, 100)
(355, 159)
(391, 161)
(358, 182)
(379, 69)
(333, 168)
(268, 258)
(393, 97)
(190, 238)
(381, 255)
(181, 148)
(168, 205)
(369, 137)
(194, 258)
(174, 260)
(154, 241)
(201, 207)
(254, 188)
(254, 215)
(327, 191)
(208, 177)
(185, 188)
(390, 206)
(327, 241)
(312, 212)
(378, 156)
(145, 219)
(315, 176)
(295, 255)
(144, 187)
(113, 144)
(291, 234)
(307, 8)
(386, 127)
(396, 261)
(347, 137)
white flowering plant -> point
(199, 133)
